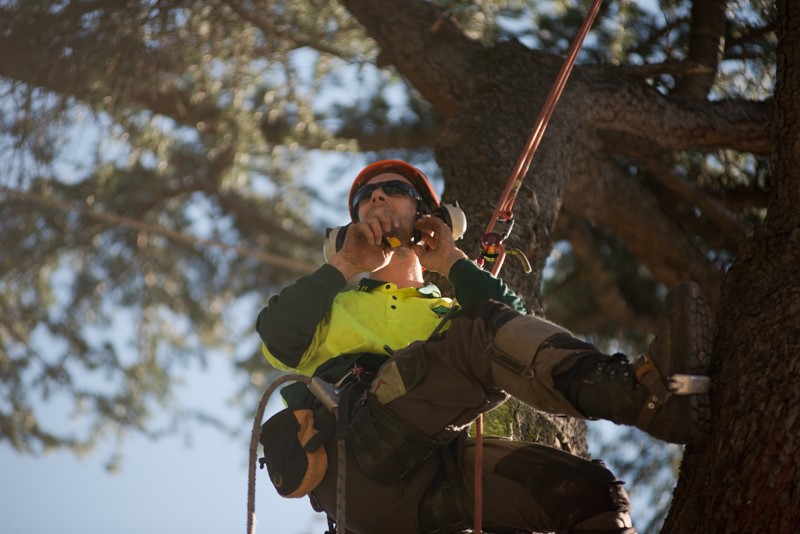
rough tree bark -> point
(747, 477)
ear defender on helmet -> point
(454, 217)
(334, 241)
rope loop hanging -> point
(252, 458)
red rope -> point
(478, 512)
(503, 212)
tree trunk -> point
(747, 477)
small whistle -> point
(393, 242)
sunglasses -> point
(393, 188)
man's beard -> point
(403, 236)
(406, 234)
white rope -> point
(251, 471)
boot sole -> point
(687, 311)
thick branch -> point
(425, 46)
(595, 272)
(672, 124)
(659, 166)
(599, 191)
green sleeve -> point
(474, 285)
(287, 324)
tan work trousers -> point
(440, 386)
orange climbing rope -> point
(492, 249)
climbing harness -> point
(493, 251)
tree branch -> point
(594, 271)
(673, 124)
(174, 235)
(368, 136)
(660, 166)
(74, 63)
(272, 26)
(425, 46)
(599, 191)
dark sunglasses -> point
(393, 188)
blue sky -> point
(170, 485)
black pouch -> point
(293, 451)
(293, 438)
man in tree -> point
(415, 370)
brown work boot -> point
(665, 391)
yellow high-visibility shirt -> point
(369, 318)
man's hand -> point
(365, 248)
(436, 249)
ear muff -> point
(453, 216)
(334, 241)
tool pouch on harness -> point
(294, 451)
(293, 438)
(386, 449)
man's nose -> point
(378, 195)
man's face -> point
(393, 201)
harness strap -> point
(648, 375)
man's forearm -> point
(474, 285)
